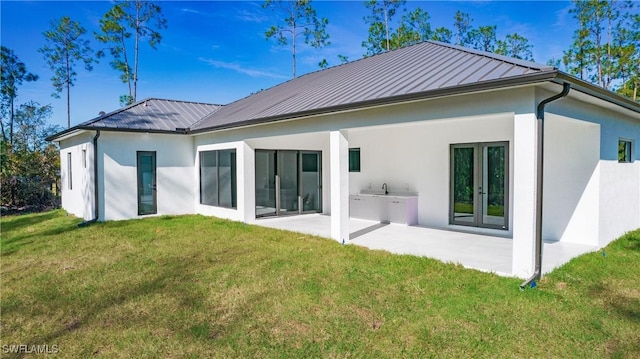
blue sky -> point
(215, 51)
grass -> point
(194, 286)
(492, 210)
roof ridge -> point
(182, 101)
(137, 103)
(206, 116)
(114, 112)
(512, 60)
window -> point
(84, 158)
(69, 175)
(218, 184)
(624, 151)
(354, 160)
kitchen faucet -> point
(385, 188)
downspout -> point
(539, 176)
(95, 183)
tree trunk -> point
(4, 135)
(135, 55)
(126, 62)
(293, 50)
(68, 92)
(386, 26)
(12, 114)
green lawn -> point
(195, 286)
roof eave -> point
(69, 132)
(537, 77)
(597, 91)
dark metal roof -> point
(426, 70)
(149, 115)
(423, 68)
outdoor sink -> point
(376, 192)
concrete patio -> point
(475, 251)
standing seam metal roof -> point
(424, 70)
(428, 66)
(154, 115)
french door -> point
(479, 185)
(287, 182)
(147, 189)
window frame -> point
(352, 166)
(627, 155)
(84, 158)
(233, 180)
(69, 171)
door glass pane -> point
(265, 183)
(226, 178)
(146, 183)
(208, 178)
(463, 186)
(288, 173)
(310, 181)
(493, 185)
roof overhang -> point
(74, 131)
(451, 91)
(597, 92)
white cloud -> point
(190, 10)
(563, 19)
(251, 16)
(240, 69)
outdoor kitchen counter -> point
(389, 208)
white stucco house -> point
(462, 140)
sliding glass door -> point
(265, 183)
(287, 178)
(479, 185)
(287, 182)
(310, 181)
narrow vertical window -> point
(624, 151)
(69, 174)
(354, 160)
(84, 158)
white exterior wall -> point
(79, 199)
(571, 181)
(619, 182)
(415, 158)
(174, 173)
(590, 198)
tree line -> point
(605, 51)
(30, 165)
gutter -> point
(539, 178)
(95, 183)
